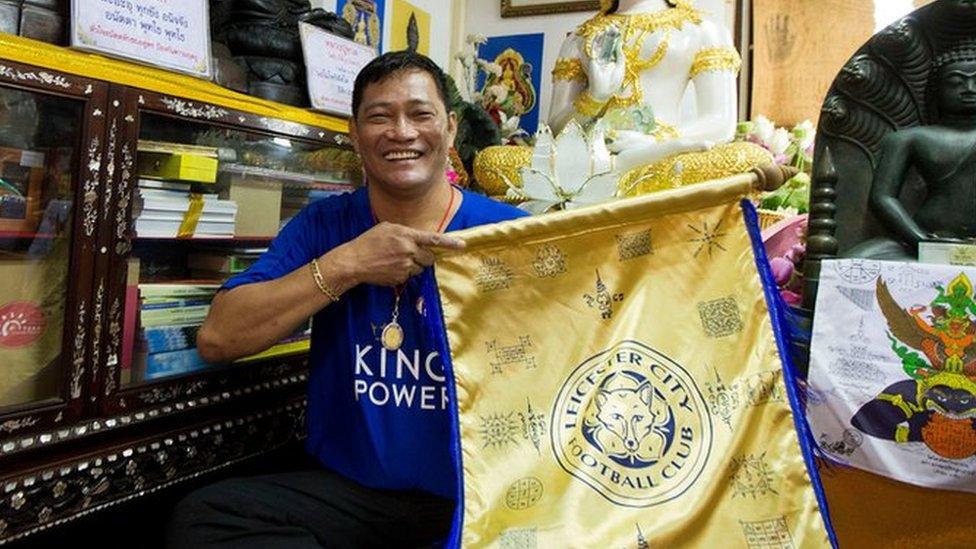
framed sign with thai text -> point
(332, 68)
(162, 33)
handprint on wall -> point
(780, 38)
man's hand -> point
(389, 254)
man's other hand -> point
(389, 254)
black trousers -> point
(315, 508)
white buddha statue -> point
(637, 57)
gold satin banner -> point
(618, 382)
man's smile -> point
(399, 155)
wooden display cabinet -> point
(82, 428)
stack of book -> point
(161, 208)
(170, 315)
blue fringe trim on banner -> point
(785, 332)
(437, 334)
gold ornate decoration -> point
(588, 105)
(664, 131)
(716, 59)
(634, 30)
(674, 17)
(634, 66)
(568, 68)
(688, 168)
(494, 165)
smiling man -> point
(378, 420)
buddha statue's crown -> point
(964, 51)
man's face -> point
(957, 88)
(403, 132)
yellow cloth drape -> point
(618, 383)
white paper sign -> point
(172, 34)
(332, 64)
(947, 253)
(893, 370)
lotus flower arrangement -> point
(572, 170)
(789, 148)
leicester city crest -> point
(631, 423)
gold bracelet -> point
(320, 281)
(588, 105)
(568, 68)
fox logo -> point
(629, 421)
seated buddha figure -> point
(943, 154)
(637, 58)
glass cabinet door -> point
(207, 201)
(39, 159)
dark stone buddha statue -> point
(895, 162)
(943, 154)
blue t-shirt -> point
(381, 418)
